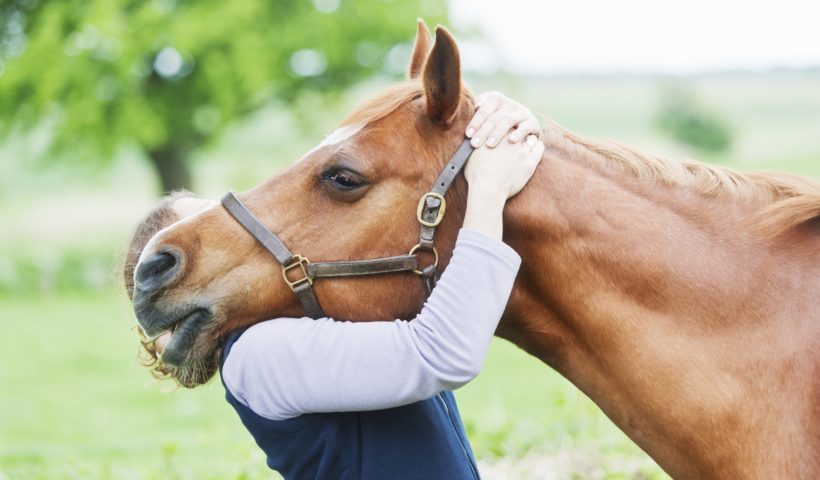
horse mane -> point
(786, 200)
(384, 103)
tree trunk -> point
(169, 163)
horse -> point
(682, 298)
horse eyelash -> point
(334, 170)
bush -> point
(48, 271)
(686, 120)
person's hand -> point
(493, 176)
(496, 116)
(499, 173)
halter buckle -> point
(415, 249)
(431, 202)
(298, 261)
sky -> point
(637, 36)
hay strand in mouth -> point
(149, 358)
(196, 371)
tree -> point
(168, 76)
(685, 119)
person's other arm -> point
(286, 367)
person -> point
(327, 399)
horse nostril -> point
(156, 271)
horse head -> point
(352, 197)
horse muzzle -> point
(158, 271)
(158, 313)
(184, 324)
(154, 275)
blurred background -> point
(105, 104)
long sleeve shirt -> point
(287, 367)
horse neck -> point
(635, 291)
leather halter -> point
(429, 213)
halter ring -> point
(435, 256)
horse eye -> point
(343, 179)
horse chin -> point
(197, 371)
(183, 337)
(191, 354)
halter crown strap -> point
(432, 204)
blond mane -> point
(785, 199)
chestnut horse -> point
(683, 299)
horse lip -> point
(154, 329)
(154, 321)
(184, 334)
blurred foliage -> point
(53, 270)
(685, 119)
(167, 76)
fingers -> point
(531, 141)
(529, 162)
(537, 148)
(495, 117)
(487, 104)
(489, 98)
(505, 169)
(499, 125)
(530, 126)
(539, 151)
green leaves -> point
(170, 75)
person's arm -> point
(286, 367)
(497, 117)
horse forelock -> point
(786, 200)
(384, 103)
(389, 100)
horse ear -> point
(420, 50)
(442, 78)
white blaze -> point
(338, 136)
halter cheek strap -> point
(299, 273)
(303, 287)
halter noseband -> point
(429, 213)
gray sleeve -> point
(286, 367)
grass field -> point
(77, 405)
(74, 403)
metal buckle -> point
(440, 210)
(435, 256)
(298, 261)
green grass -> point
(76, 404)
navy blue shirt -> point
(424, 440)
